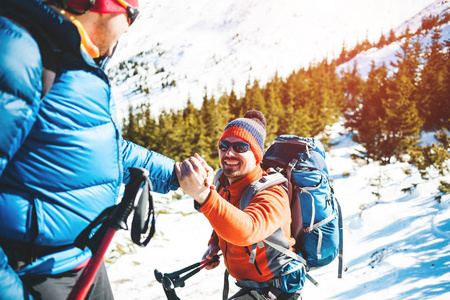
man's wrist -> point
(204, 196)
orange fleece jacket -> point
(233, 228)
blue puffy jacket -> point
(62, 158)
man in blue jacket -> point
(62, 157)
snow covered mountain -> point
(387, 53)
(190, 46)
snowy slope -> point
(387, 54)
(221, 44)
(395, 247)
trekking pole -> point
(138, 176)
(170, 281)
(174, 275)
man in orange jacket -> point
(236, 231)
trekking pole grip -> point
(175, 275)
(137, 177)
(170, 284)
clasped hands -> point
(195, 177)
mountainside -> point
(387, 53)
(396, 222)
(177, 49)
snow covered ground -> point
(396, 246)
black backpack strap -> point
(49, 50)
(254, 188)
(263, 183)
(216, 181)
(49, 63)
(226, 285)
(296, 209)
(226, 282)
(50, 54)
(86, 238)
(341, 240)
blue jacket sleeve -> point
(20, 87)
(10, 283)
(160, 167)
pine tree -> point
(170, 128)
(336, 87)
(288, 92)
(433, 97)
(223, 117)
(319, 100)
(234, 106)
(131, 128)
(272, 96)
(189, 137)
(369, 120)
(209, 131)
(306, 122)
(436, 155)
(343, 55)
(382, 41)
(254, 99)
(402, 118)
(446, 78)
(392, 37)
(148, 131)
(287, 121)
(287, 102)
(352, 85)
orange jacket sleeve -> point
(266, 213)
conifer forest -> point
(386, 112)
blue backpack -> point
(316, 214)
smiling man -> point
(236, 231)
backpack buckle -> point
(292, 163)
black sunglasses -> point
(132, 12)
(239, 147)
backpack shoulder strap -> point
(216, 181)
(252, 189)
(265, 182)
(49, 51)
(258, 185)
